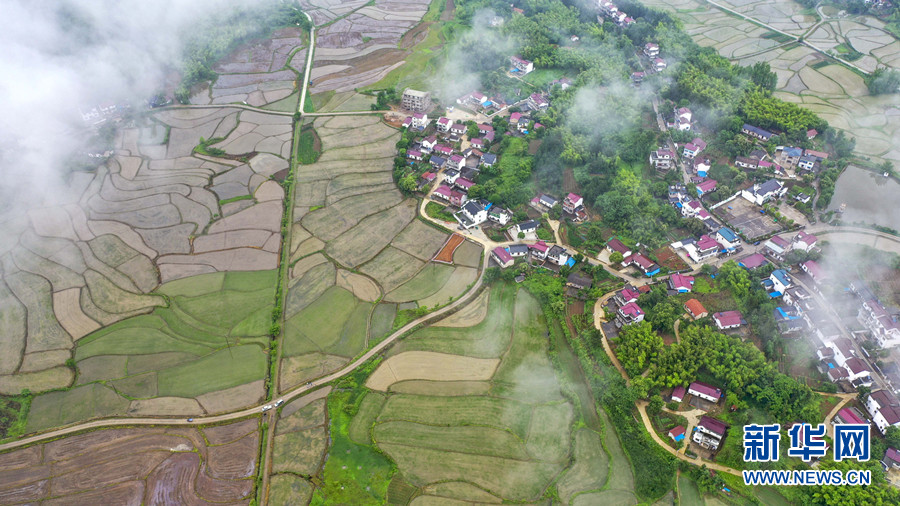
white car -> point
(266, 408)
(279, 402)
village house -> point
(464, 184)
(626, 295)
(651, 50)
(695, 309)
(443, 150)
(683, 117)
(643, 263)
(815, 272)
(705, 391)
(488, 159)
(521, 65)
(456, 162)
(849, 415)
(637, 77)
(450, 176)
(836, 353)
(502, 257)
(701, 167)
(694, 148)
(527, 227)
(884, 409)
(728, 320)
(807, 162)
(445, 193)
(458, 129)
(706, 187)
(615, 245)
(777, 247)
(701, 249)
(428, 143)
(579, 282)
(727, 238)
(539, 250)
(681, 283)
(426, 179)
(891, 459)
(564, 83)
(662, 159)
(414, 154)
(759, 194)
(572, 203)
(500, 215)
(745, 162)
(476, 143)
(678, 394)
(538, 101)
(443, 124)
(777, 283)
(804, 241)
(758, 133)
(753, 261)
(544, 202)
(876, 318)
(484, 128)
(709, 433)
(677, 433)
(415, 100)
(473, 213)
(559, 256)
(437, 162)
(628, 314)
(419, 121)
(811, 134)
(659, 64)
(517, 250)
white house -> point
(709, 433)
(629, 313)
(759, 194)
(500, 215)
(780, 281)
(728, 319)
(558, 255)
(472, 214)
(502, 257)
(694, 148)
(884, 409)
(804, 241)
(443, 124)
(776, 246)
(572, 203)
(728, 239)
(876, 318)
(662, 159)
(651, 50)
(704, 391)
(683, 117)
(521, 65)
(419, 120)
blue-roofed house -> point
(488, 159)
(777, 283)
(727, 238)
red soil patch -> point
(667, 258)
(445, 255)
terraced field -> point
(836, 93)
(476, 413)
(136, 466)
(260, 73)
(358, 255)
(362, 43)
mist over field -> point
(64, 56)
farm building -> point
(579, 282)
(539, 250)
(677, 433)
(709, 433)
(695, 309)
(502, 257)
(615, 245)
(681, 283)
(678, 394)
(705, 392)
(728, 319)
(629, 313)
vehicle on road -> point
(279, 402)
(190, 419)
(266, 408)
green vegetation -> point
(204, 148)
(353, 473)
(437, 211)
(883, 81)
(235, 199)
(13, 415)
(219, 32)
(307, 150)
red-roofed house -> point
(848, 415)
(705, 187)
(444, 192)
(681, 283)
(444, 150)
(458, 128)
(812, 268)
(875, 316)
(522, 65)
(538, 101)
(477, 143)
(694, 148)
(709, 433)
(728, 319)
(677, 434)
(514, 118)
(703, 248)
(572, 203)
(464, 184)
(539, 250)
(678, 393)
(811, 134)
(891, 459)
(805, 241)
(443, 124)
(753, 261)
(414, 154)
(776, 246)
(651, 50)
(643, 263)
(884, 409)
(456, 162)
(615, 245)
(704, 391)
(630, 313)
(695, 309)
(502, 257)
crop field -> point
(171, 359)
(136, 466)
(833, 91)
(354, 240)
(299, 449)
(476, 413)
(157, 212)
(361, 45)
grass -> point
(415, 72)
(439, 212)
(485, 411)
(319, 325)
(365, 418)
(353, 473)
(308, 146)
(428, 281)
(235, 199)
(688, 493)
(243, 363)
(13, 415)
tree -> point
(616, 257)
(863, 393)
(883, 81)
(408, 183)
(655, 406)
(638, 347)
(892, 436)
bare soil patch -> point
(446, 253)
(427, 365)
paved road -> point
(309, 60)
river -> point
(870, 198)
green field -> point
(456, 442)
(213, 323)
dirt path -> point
(845, 398)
